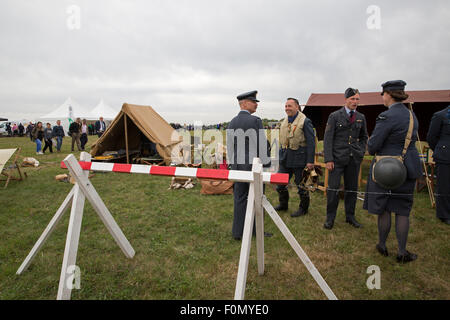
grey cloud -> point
(189, 59)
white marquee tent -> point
(103, 110)
(70, 109)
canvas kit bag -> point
(210, 186)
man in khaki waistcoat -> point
(297, 147)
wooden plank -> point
(360, 175)
(258, 185)
(18, 167)
(246, 244)
(47, 232)
(73, 236)
(99, 207)
(298, 249)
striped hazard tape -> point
(217, 174)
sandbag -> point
(210, 186)
(30, 162)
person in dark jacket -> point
(245, 140)
(297, 147)
(388, 138)
(8, 129)
(58, 133)
(48, 135)
(21, 129)
(29, 130)
(344, 143)
(438, 138)
(74, 130)
(100, 127)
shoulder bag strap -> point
(409, 134)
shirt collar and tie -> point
(351, 114)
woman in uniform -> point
(388, 138)
(438, 138)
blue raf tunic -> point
(244, 124)
(388, 138)
(438, 138)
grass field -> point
(184, 248)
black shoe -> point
(407, 257)
(446, 221)
(237, 238)
(299, 212)
(328, 225)
(383, 252)
(267, 234)
(352, 221)
(281, 207)
(283, 198)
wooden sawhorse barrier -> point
(84, 189)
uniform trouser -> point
(240, 194)
(297, 172)
(443, 191)
(351, 174)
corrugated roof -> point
(374, 98)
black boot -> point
(302, 207)
(283, 196)
(352, 221)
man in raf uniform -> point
(344, 147)
(438, 138)
(297, 147)
(245, 140)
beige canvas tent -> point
(134, 127)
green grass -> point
(184, 248)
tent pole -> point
(126, 136)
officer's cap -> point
(350, 92)
(248, 96)
(393, 85)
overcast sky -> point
(190, 59)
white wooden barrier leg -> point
(246, 244)
(298, 250)
(47, 232)
(258, 185)
(98, 205)
(73, 236)
(254, 204)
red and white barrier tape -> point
(201, 173)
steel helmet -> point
(389, 173)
